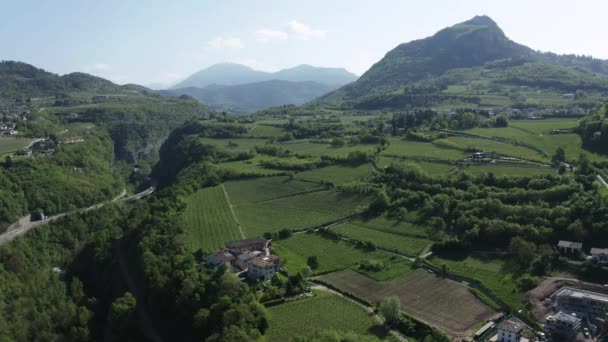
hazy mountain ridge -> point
(235, 74)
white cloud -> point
(305, 32)
(101, 66)
(225, 43)
(266, 35)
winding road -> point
(24, 224)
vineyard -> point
(265, 188)
(209, 220)
(543, 126)
(443, 303)
(12, 144)
(393, 242)
(336, 174)
(266, 131)
(412, 149)
(323, 311)
(305, 147)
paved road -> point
(23, 225)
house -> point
(24, 152)
(569, 247)
(563, 323)
(599, 256)
(247, 245)
(222, 256)
(263, 267)
(243, 259)
(567, 96)
(483, 155)
(510, 331)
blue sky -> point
(158, 41)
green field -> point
(250, 167)
(509, 171)
(305, 147)
(298, 212)
(543, 126)
(235, 144)
(422, 150)
(507, 149)
(492, 273)
(266, 131)
(209, 220)
(323, 311)
(333, 255)
(265, 188)
(403, 228)
(8, 144)
(431, 168)
(336, 174)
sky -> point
(161, 42)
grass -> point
(507, 149)
(298, 212)
(250, 167)
(509, 171)
(209, 220)
(333, 255)
(492, 273)
(265, 188)
(261, 131)
(431, 168)
(336, 174)
(423, 150)
(424, 296)
(305, 147)
(234, 144)
(323, 311)
(402, 228)
(9, 144)
(403, 244)
(543, 126)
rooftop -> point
(265, 261)
(564, 317)
(570, 244)
(576, 293)
(511, 325)
(246, 242)
(249, 255)
(599, 251)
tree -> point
(522, 250)
(390, 309)
(306, 272)
(559, 156)
(501, 121)
(313, 262)
(122, 320)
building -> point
(243, 259)
(510, 331)
(483, 155)
(248, 245)
(569, 247)
(580, 302)
(563, 323)
(599, 256)
(263, 267)
(222, 256)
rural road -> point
(370, 310)
(23, 225)
(602, 180)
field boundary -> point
(295, 194)
(236, 219)
(497, 139)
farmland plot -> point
(413, 149)
(9, 144)
(265, 188)
(509, 171)
(323, 311)
(336, 174)
(209, 220)
(440, 302)
(403, 244)
(543, 126)
(266, 131)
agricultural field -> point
(333, 255)
(387, 225)
(305, 147)
(422, 150)
(543, 126)
(442, 303)
(507, 149)
(434, 169)
(492, 273)
(9, 144)
(262, 131)
(336, 174)
(298, 212)
(209, 220)
(266, 188)
(323, 311)
(403, 244)
(508, 171)
(250, 167)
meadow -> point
(323, 311)
(10, 144)
(508, 171)
(305, 147)
(503, 148)
(336, 174)
(543, 126)
(442, 303)
(263, 131)
(209, 220)
(414, 149)
(250, 167)
(434, 169)
(234, 144)
(265, 188)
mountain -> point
(468, 48)
(234, 74)
(245, 98)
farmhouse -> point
(222, 256)
(263, 267)
(510, 331)
(243, 260)
(247, 245)
(569, 247)
(483, 155)
(599, 255)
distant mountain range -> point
(473, 53)
(239, 89)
